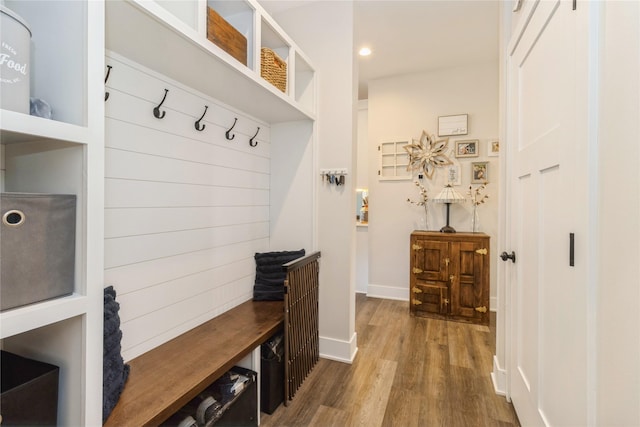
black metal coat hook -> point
(253, 142)
(156, 110)
(197, 124)
(106, 94)
(228, 133)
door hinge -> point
(481, 251)
(416, 302)
(447, 261)
(416, 290)
(416, 247)
(452, 278)
(482, 309)
(416, 270)
(445, 301)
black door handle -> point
(505, 256)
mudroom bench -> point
(164, 379)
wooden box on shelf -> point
(449, 276)
(226, 37)
(273, 69)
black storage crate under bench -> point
(29, 391)
(272, 374)
(230, 401)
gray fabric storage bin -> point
(37, 247)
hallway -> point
(409, 371)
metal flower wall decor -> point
(427, 154)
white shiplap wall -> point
(185, 211)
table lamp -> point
(448, 195)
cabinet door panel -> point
(467, 293)
(430, 297)
(430, 260)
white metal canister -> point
(15, 51)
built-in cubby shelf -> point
(163, 39)
(240, 15)
(63, 155)
(18, 127)
(34, 316)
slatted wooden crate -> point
(301, 321)
(225, 36)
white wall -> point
(185, 211)
(362, 182)
(324, 30)
(618, 294)
(401, 107)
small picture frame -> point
(454, 175)
(466, 148)
(479, 172)
(493, 147)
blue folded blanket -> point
(270, 276)
(115, 372)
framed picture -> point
(467, 148)
(452, 125)
(479, 172)
(453, 174)
(493, 148)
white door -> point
(547, 193)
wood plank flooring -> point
(409, 371)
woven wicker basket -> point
(273, 69)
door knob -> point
(505, 256)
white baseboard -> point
(338, 350)
(388, 292)
(499, 378)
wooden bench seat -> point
(164, 379)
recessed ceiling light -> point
(365, 51)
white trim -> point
(388, 292)
(338, 350)
(499, 378)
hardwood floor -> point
(409, 371)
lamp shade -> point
(449, 195)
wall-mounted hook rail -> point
(197, 124)
(156, 110)
(252, 141)
(106, 94)
(228, 133)
(334, 176)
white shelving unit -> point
(66, 154)
(171, 38)
(63, 155)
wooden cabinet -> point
(450, 276)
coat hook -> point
(197, 124)
(227, 133)
(252, 141)
(106, 94)
(156, 110)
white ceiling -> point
(419, 35)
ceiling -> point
(415, 36)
